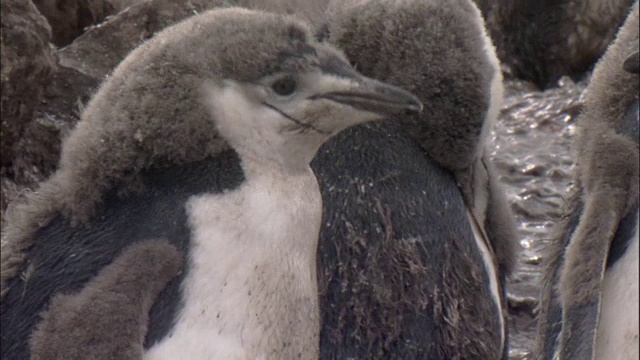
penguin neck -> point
(288, 162)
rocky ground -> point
(531, 148)
(43, 94)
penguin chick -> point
(589, 299)
(202, 136)
(311, 11)
(541, 41)
(457, 128)
(85, 325)
(412, 207)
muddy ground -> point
(531, 148)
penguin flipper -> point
(582, 276)
(549, 308)
(609, 179)
(108, 317)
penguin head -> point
(439, 51)
(256, 81)
(286, 114)
(253, 81)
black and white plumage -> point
(201, 138)
(589, 299)
(401, 274)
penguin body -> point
(122, 222)
(618, 323)
(589, 299)
(201, 137)
(401, 274)
(263, 247)
(407, 262)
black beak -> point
(376, 97)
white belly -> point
(250, 291)
(617, 337)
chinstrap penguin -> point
(201, 138)
(589, 299)
(401, 274)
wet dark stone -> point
(101, 48)
(69, 18)
(28, 63)
(38, 150)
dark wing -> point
(65, 258)
(108, 318)
(400, 273)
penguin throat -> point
(286, 163)
(298, 126)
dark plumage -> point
(75, 326)
(579, 299)
(400, 272)
(543, 40)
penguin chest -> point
(250, 289)
(617, 336)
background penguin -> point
(401, 274)
(589, 300)
(203, 137)
(543, 40)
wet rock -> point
(69, 18)
(28, 63)
(531, 150)
(534, 260)
(37, 152)
(522, 304)
(38, 149)
(9, 190)
(534, 207)
(102, 47)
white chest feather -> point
(250, 291)
(617, 337)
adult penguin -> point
(197, 147)
(589, 299)
(416, 237)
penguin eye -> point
(284, 86)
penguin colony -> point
(196, 150)
(184, 219)
(589, 300)
(417, 238)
